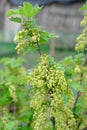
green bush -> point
(52, 96)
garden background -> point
(61, 17)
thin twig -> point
(79, 93)
(85, 63)
(39, 51)
(84, 128)
(76, 100)
(79, 123)
(53, 121)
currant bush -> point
(52, 96)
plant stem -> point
(53, 122)
(38, 49)
(79, 93)
(52, 119)
(84, 128)
(76, 100)
(85, 63)
(79, 123)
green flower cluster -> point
(27, 38)
(12, 91)
(82, 38)
(57, 91)
(13, 96)
(51, 97)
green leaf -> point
(53, 36)
(25, 127)
(79, 59)
(30, 10)
(16, 19)
(1, 125)
(12, 12)
(49, 35)
(84, 7)
(67, 60)
(45, 36)
(36, 10)
(69, 71)
(80, 108)
(11, 125)
(76, 86)
(26, 116)
(24, 12)
(43, 40)
(21, 94)
(27, 10)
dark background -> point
(45, 2)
